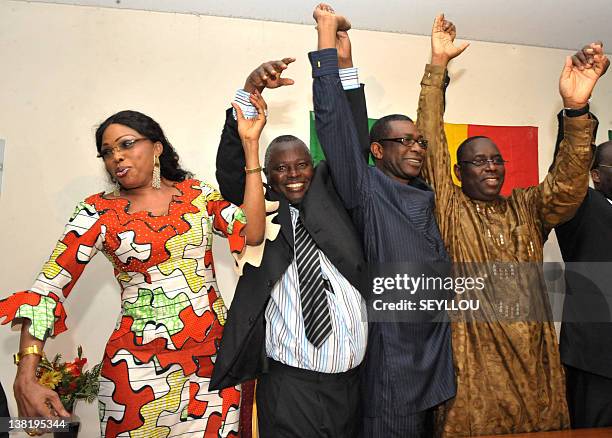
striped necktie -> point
(315, 310)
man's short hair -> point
(381, 127)
(599, 150)
(280, 139)
(468, 141)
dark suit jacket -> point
(242, 354)
(408, 365)
(3, 409)
(586, 246)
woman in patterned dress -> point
(156, 229)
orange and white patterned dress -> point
(159, 359)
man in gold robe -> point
(506, 358)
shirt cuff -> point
(242, 99)
(349, 78)
(324, 62)
(579, 132)
(434, 75)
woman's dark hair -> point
(149, 128)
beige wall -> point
(65, 68)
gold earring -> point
(156, 181)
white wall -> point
(65, 68)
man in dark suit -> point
(408, 369)
(586, 333)
(299, 327)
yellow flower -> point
(50, 379)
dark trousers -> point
(297, 403)
(589, 398)
(395, 424)
(387, 419)
(383, 416)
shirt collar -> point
(418, 183)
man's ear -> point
(595, 176)
(377, 150)
(457, 171)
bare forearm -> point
(441, 60)
(326, 31)
(27, 365)
(254, 203)
(34, 399)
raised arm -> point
(354, 91)
(560, 194)
(582, 59)
(230, 160)
(430, 114)
(357, 104)
(334, 118)
(249, 131)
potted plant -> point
(70, 382)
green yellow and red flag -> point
(517, 144)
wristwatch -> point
(570, 112)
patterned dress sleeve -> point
(42, 304)
(228, 219)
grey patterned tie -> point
(315, 310)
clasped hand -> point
(579, 78)
(250, 129)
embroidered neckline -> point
(178, 203)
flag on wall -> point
(517, 144)
(315, 147)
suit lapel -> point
(284, 216)
(603, 204)
(313, 203)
